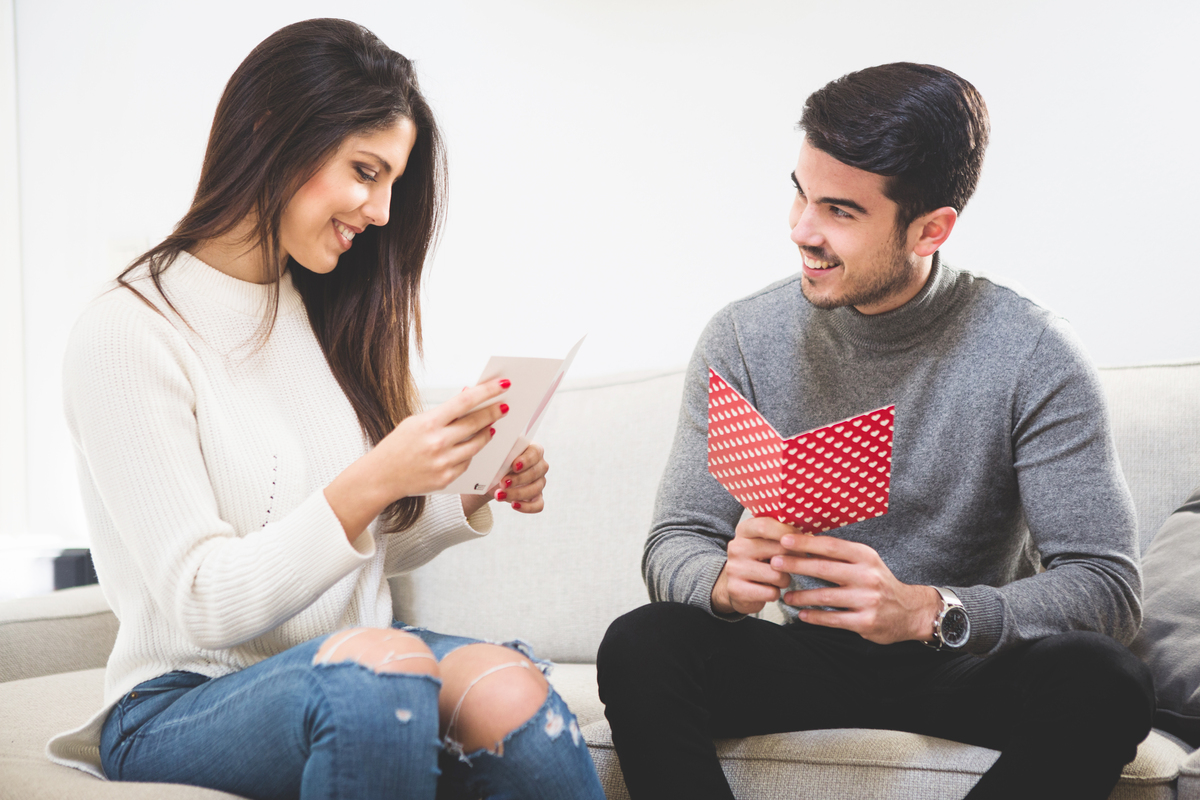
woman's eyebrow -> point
(382, 161)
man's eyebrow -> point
(843, 201)
(383, 161)
(833, 201)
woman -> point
(253, 467)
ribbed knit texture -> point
(203, 455)
(1003, 454)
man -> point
(1003, 461)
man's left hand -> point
(877, 606)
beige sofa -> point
(557, 579)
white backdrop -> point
(620, 168)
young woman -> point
(254, 467)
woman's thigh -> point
(290, 722)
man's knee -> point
(381, 650)
(652, 640)
(1096, 674)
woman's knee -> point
(488, 691)
(380, 650)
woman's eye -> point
(365, 175)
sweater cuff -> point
(985, 609)
(328, 551)
(701, 595)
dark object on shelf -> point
(74, 568)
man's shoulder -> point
(1002, 304)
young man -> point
(933, 618)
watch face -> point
(956, 627)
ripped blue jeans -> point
(289, 728)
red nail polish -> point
(516, 505)
(504, 384)
(517, 466)
(507, 482)
(500, 495)
(504, 408)
(493, 430)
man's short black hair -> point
(922, 126)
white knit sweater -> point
(203, 455)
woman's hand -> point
(522, 487)
(423, 454)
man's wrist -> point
(719, 596)
(929, 607)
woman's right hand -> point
(429, 450)
(423, 454)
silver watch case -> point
(952, 627)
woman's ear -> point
(932, 229)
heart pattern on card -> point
(815, 481)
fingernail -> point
(788, 541)
(516, 505)
(507, 482)
(777, 562)
(517, 466)
(505, 383)
(493, 430)
(504, 408)
(501, 494)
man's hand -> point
(747, 581)
(877, 606)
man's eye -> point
(837, 212)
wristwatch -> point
(952, 627)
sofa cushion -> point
(62, 631)
(1169, 641)
(558, 578)
(1156, 425)
(877, 765)
(33, 710)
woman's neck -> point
(237, 254)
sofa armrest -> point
(63, 631)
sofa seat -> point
(864, 764)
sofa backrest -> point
(1156, 424)
(557, 579)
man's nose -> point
(805, 231)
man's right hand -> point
(747, 581)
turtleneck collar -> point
(190, 274)
(904, 326)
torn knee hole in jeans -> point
(455, 746)
(376, 661)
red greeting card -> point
(815, 481)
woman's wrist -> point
(358, 495)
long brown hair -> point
(285, 111)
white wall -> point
(620, 168)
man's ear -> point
(932, 229)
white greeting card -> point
(534, 381)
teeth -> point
(812, 263)
(344, 231)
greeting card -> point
(816, 481)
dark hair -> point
(920, 125)
(285, 111)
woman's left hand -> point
(522, 487)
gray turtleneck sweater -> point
(1003, 456)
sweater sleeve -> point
(1077, 507)
(442, 525)
(694, 517)
(130, 406)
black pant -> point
(1067, 712)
